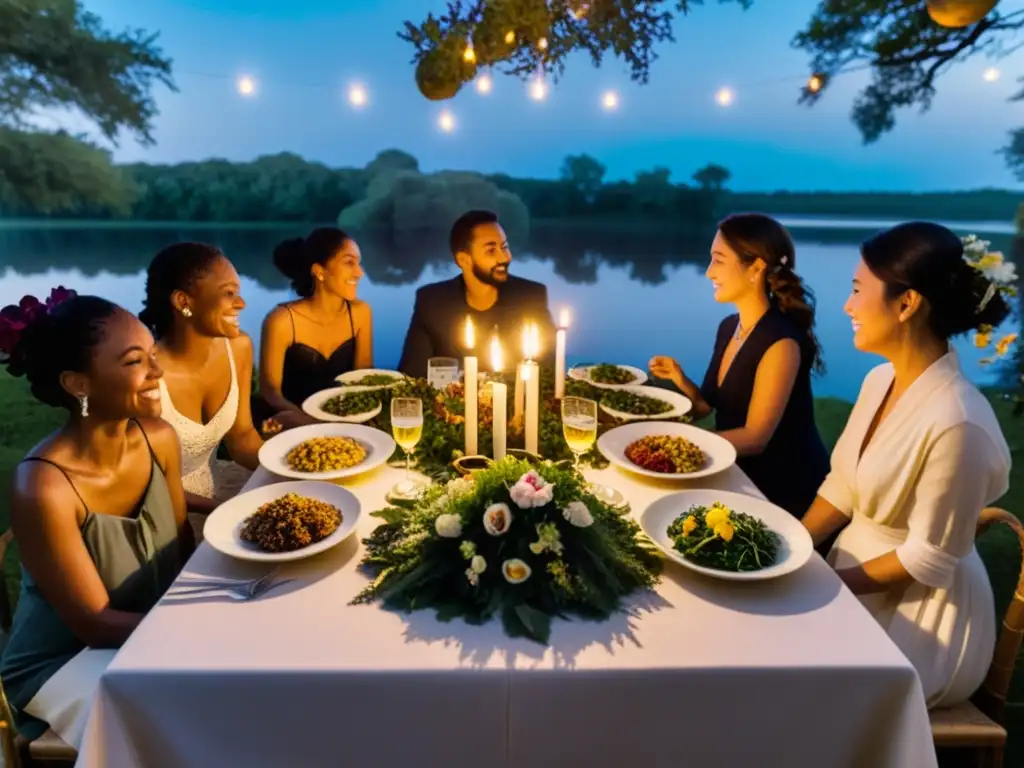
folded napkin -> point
(65, 699)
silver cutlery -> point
(186, 580)
(238, 591)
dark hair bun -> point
(58, 340)
(175, 268)
(929, 258)
(294, 258)
(289, 258)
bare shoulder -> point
(278, 319)
(41, 488)
(241, 346)
(162, 438)
(361, 310)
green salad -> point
(374, 380)
(635, 404)
(352, 405)
(722, 539)
(605, 373)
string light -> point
(725, 96)
(815, 84)
(357, 95)
(538, 89)
(991, 75)
(246, 85)
(446, 121)
(484, 84)
(543, 43)
(469, 55)
(510, 37)
(610, 100)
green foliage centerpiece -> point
(526, 544)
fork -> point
(186, 580)
(244, 591)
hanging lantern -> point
(959, 13)
(440, 75)
(816, 83)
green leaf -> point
(390, 515)
(538, 624)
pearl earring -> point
(186, 312)
(83, 402)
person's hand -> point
(666, 368)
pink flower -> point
(532, 490)
(59, 295)
(14, 319)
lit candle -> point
(469, 366)
(499, 397)
(531, 380)
(517, 411)
(563, 324)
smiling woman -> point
(192, 306)
(98, 509)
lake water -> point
(632, 294)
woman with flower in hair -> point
(97, 508)
(921, 456)
(758, 383)
(192, 306)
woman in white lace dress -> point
(192, 306)
(920, 457)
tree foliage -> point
(55, 55)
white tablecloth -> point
(789, 673)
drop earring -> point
(186, 312)
(83, 402)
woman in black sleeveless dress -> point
(306, 344)
(758, 383)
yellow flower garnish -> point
(989, 260)
(982, 340)
(1004, 344)
(724, 530)
(689, 524)
(717, 514)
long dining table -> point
(700, 672)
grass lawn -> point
(23, 422)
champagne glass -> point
(579, 427)
(407, 428)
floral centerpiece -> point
(523, 544)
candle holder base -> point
(407, 490)
(610, 496)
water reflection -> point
(635, 292)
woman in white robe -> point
(921, 456)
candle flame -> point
(531, 341)
(496, 355)
(470, 334)
(563, 319)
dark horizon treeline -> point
(287, 188)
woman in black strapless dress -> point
(306, 344)
(758, 383)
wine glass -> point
(579, 427)
(407, 428)
(442, 371)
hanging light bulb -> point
(469, 55)
(510, 37)
(446, 121)
(543, 43)
(357, 95)
(815, 83)
(610, 100)
(484, 84)
(246, 85)
(538, 89)
(991, 75)
(725, 97)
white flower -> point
(1000, 273)
(497, 519)
(460, 487)
(474, 579)
(478, 565)
(448, 526)
(515, 571)
(532, 490)
(578, 514)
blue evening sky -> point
(304, 53)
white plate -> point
(582, 373)
(379, 447)
(795, 546)
(314, 405)
(719, 453)
(352, 377)
(681, 404)
(224, 525)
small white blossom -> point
(578, 514)
(478, 564)
(497, 519)
(1002, 273)
(473, 578)
(468, 549)
(448, 526)
(515, 571)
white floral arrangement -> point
(526, 544)
(1002, 278)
